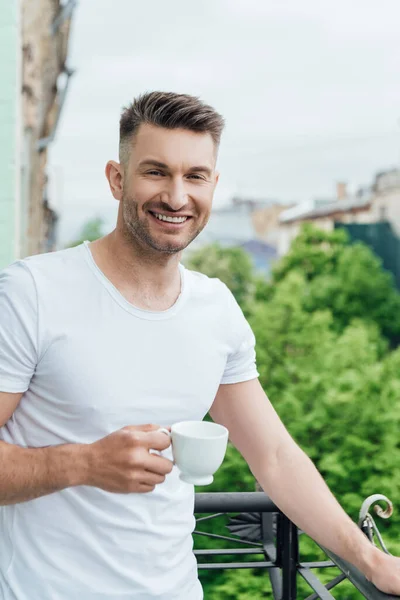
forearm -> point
(28, 473)
(297, 488)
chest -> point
(101, 378)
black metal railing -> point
(260, 530)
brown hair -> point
(169, 110)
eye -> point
(154, 172)
(196, 177)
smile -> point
(169, 219)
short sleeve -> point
(241, 362)
(18, 328)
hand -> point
(385, 573)
(121, 462)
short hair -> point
(169, 110)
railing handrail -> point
(259, 502)
(367, 589)
(226, 502)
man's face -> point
(168, 187)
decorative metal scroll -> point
(262, 529)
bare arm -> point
(28, 473)
(286, 474)
(120, 462)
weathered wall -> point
(266, 223)
(44, 54)
(32, 56)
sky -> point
(310, 92)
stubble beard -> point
(136, 231)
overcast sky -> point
(310, 91)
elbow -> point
(271, 466)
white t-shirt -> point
(89, 363)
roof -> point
(259, 247)
(306, 211)
(245, 205)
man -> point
(98, 341)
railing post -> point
(268, 523)
(287, 556)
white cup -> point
(198, 448)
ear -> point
(115, 176)
(216, 179)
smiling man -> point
(103, 344)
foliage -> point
(326, 326)
(233, 266)
(333, 393)
(313, 252)
(91, 231)
(346, 279)
(241, 583)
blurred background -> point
(306, 222)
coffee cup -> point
(198, 449)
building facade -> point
(266, 223)
(34, 40)
(379, 202)
(386, 199)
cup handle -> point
(164, 430)
(168, 433)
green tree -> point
(338, 393)
(332, 391)
(313, 252)
(91, 231)
(323, 326)
(233, 266)
(348, 279)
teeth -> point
(170, 219)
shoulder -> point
(212, 287)
(215, 293)
(16, 280)
(55, 268)
(52, 261)
(25, 276)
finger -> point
(147, 427)
(150, 478)
(144, 488)
(156, 440)
(158, 464)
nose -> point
(175, 194)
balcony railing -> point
(259, 529)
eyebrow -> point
(161, 165)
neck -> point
(148, 280)
(146, 266)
